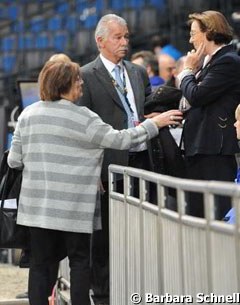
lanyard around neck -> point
(123, 90)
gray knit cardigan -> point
(60, 147)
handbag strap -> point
(3, 187)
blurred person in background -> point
(60, 57)
(167, 67)
(210, 82)
(149, 61)
(161, 45)
(59, 146)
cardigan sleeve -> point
(105, 136)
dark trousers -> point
(100, 239)
(210, 167)
(44, 252)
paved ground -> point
(13, 280)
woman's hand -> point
(151, 115)
(171, 117)
(194, 58)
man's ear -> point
(99, 41)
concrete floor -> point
(13, 281)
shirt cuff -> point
(181, 76)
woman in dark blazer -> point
(210, 82)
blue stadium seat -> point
(9, 62)
(99, 6)
(18, 26)
(43, 41)
(21, 42)
(72, 23)
(62, 8)
(91, 21)
(25, 41)
(80, 6)
(28, 40)
(13, 11)
(117, 5)
(8, 43)
(60, 41)
(55, 23)
(37, 24)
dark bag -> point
(11, 234)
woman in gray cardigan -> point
(60, 147)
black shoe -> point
(23, 295)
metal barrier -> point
(163, 256)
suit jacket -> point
(214, 96)
(100, 95)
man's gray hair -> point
(102, 29)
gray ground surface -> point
(13, 280)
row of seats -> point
(30, 52)
(55, 33)
(67, 26)
(56, 22)
(14, 11)
(42, 40)
(17, 62)
(87, 17)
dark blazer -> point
(214, 96)
(100, 95)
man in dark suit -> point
(119, 103)
(213, 93)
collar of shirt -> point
(209, 56)
(110, 66)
